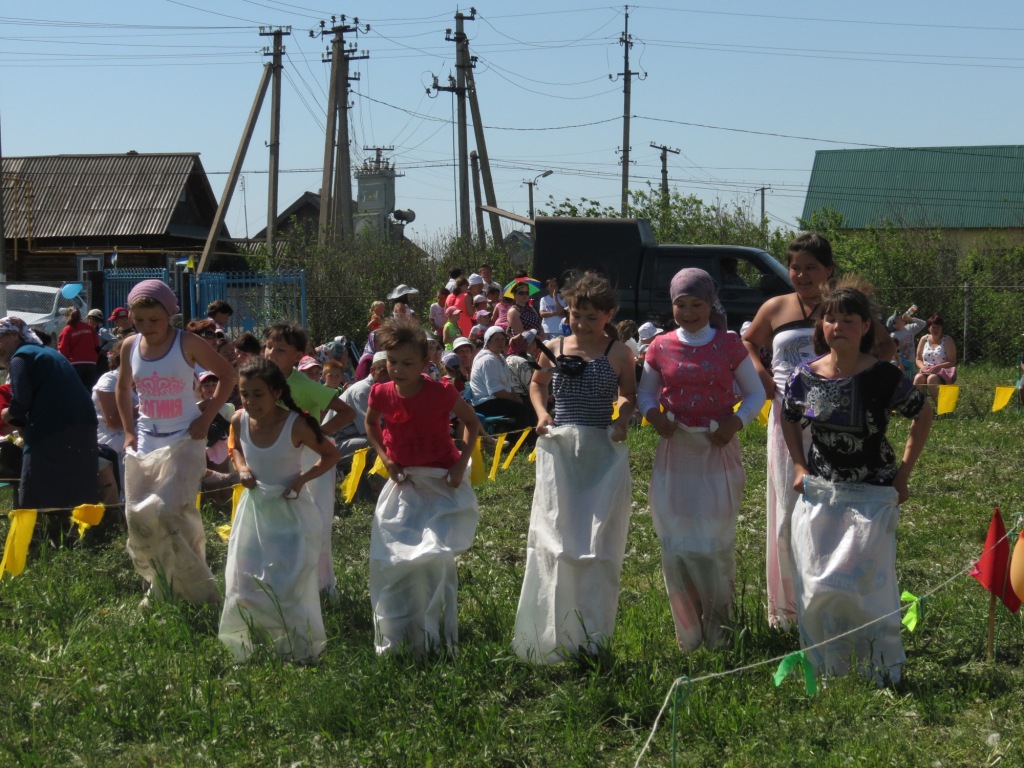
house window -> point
(89, 262)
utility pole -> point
(278, 34)
(763, 223)
(664, 169)
(336, 206)
(457, 86)
(485, 163)
(461, 67)
(626, 41)
(236, 169)
(332, 116)
(452, 87)
(474, 161)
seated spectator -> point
(522, 366)
(647, 331)
(246, 347)
(220, 474)
(334, 375)
(435, 369)
(936, 359)
(352, 437)
(451, 330)
(122, 322)
(310, 368)
(490, 384)
(220, 312)
(628, 335)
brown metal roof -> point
(99, 195)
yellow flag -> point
(516, 447)
(224, 531)
(236, 496)
(1002, 398)
(351, 483)
(497, 456)
(762, 417)
(23, 521)
(85, 516)
(378, 468)
(615, 410)
(477, 471)
(533, 456)
(948, 394)
(199, 501)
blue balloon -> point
(71, 290)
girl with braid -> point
(271, 574)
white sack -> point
(576, 544)
(780, 500)
(271, 575)
(166, 539)
(419, 527)
(695, 494)
(323, 491)
(844, 557)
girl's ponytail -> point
(286, 398)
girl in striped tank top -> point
(583, 492)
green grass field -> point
(93, 681)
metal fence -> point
(257, 298)
(117, 283)
(985, 321)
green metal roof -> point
(932, 187)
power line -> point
(834, 21)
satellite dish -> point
(71, 290)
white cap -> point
(379, 356)
(648, 331)
(529, 336)
(461, 341)
(492, 331)
(475, 279)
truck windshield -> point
(34, 302)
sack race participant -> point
(697, 479)
(286, 346)
(844, 524)
(583, 493)
(165, 453)
(784, 325)
(271, 574)
(427, 513)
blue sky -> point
(746, 91)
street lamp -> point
(532, 184)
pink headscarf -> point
(698, 283)
(155, 289)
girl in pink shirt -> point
(687, 392)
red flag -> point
(991, 570)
